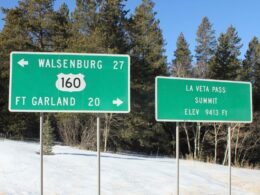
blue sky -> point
(178, 16)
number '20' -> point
(93, 102)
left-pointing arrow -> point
(23, 62)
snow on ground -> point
(72, 171)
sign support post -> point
(177, 155)
(229, 156)
(98, 154)
(41, 150)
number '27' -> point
(118, 65)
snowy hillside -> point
(73, 171)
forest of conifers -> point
(106, 26)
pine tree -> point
(48, 138)
(221, 60)
(256, 79)
(99, 27)
(84, 22)
(225, 64)
(250, 61)
(110, 36)
(234, 41)
(31, 26)
(61, 29)
(147, 51)
(38, 17)
(14, 37)
(74, 34)
(84, 16)
(205, 48)
(147, 61)
(110, 32)
(181, 65)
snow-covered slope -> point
(73, 171)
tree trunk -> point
(236, 146)
(173, 145)
(215, 143)
(108, 118)
(198, 145)
(187, 137)
(226, 151)
(225, 156)
(195, 142)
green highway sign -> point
(200, 100)
(69, 82)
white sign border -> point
(68, 111)
(203, 121)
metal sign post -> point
(229, 157)
(98, 155)
(177, 155)
(41, 151)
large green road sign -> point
(179, 99)
(69, 82)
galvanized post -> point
(98, 154)
(229, 157)
(177, 156)
(41, 151)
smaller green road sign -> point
(181, 99)
(69, 82)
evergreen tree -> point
(234, 41)
(61, 29)
(38, 16)
(257, 81)
(181, 65)
(147, 61)
(110, 32)
(48, 137)
(84, 16)
(77, 35)
(110, 36)
(205, 48)
(221, 60)
(31, 26)
(225, 64)
(250, 61)
(147, 53)
(84, 22)
(14, 37)
(99, 27)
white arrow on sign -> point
(23, 63)
(117, 102)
